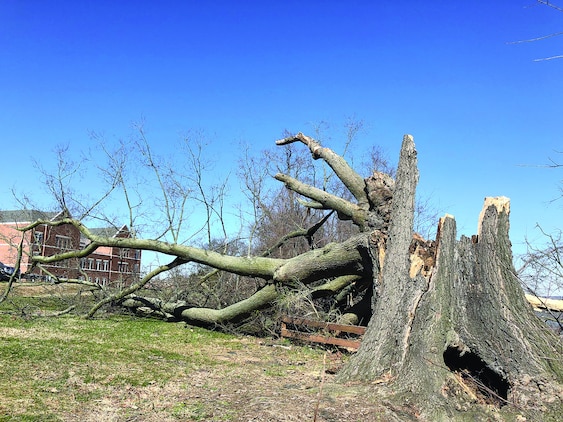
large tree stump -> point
(462, 333)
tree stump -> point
(463, 332)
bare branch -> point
(207, 316)
(345, 209)
(352, 180)
(135, 286)
(548, 3)
(545, 3)
(549, 58)
(16, 271)
(332, 260)
(537, 38)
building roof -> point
(104, 231)
(26, 216)
(109, 231)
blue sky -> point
(484, 114)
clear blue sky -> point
(483, 113)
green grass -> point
(55, 366)
(69, 356)
(126, 368)
(69, 368)
(28, 299)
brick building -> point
(105, 266)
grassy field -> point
(122, 368)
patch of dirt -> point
(26, 289)
(243, 387)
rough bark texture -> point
(461, 333)
(383, 349)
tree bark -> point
(324, 200)
(464, 332)
(396, 293)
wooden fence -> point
(348, 336)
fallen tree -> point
(450, 326)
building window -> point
(63, 242)
(38, 238)
(124, 253)
(122, 267)
(106, 265)
(98, 264)
(90, 263)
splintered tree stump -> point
(462, 331)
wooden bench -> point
(324, 332)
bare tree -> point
(542, 269)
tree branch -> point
(332, 260)
(345, 209)
(14, 274)
(307, 233)
(352, 180)
(251, 266)
(207, 316)
(134, 287)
